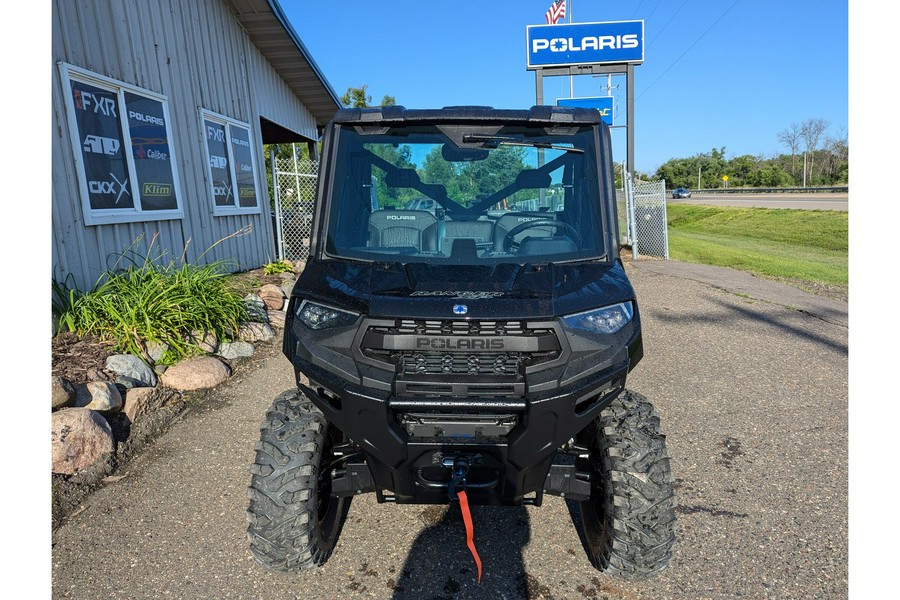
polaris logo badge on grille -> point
(460, 309)
(461, 343)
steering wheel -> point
(510, 245)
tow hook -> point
(459, 468)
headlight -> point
(608, 319)
(317, 316)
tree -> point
(358, 97)
(811, 131)
(790, 137)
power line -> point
(659, 33)
(636, 8)
(702, 35)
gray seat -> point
(480, 231)
(403, 229)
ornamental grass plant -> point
(150, 301)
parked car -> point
(681, 193)
(421, 204)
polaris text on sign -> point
(584, 43)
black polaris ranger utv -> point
(466, 329)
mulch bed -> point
(80, 359)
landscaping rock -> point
(197, 373)
(287, 288)
(101, 396)
(276, 318)
(256, 308)
(156, 350)
(272, 295)
(132, 371)
(232, 350)
(79, 438)
(256, 332)
(142, 400)
(205, 340)
(62, 392)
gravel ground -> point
(752, 393)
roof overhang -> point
(271, 32)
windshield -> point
(465, 194)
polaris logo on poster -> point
(584, 43)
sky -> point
(716, 73)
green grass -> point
(807, 245)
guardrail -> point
(773, 190)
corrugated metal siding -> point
(196, 54)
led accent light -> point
(607, 320)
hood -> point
(431, 291)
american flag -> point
(556, 12)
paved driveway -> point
(749, 377)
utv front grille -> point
(443, 357)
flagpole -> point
(571, 79)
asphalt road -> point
(750, 380)
(807, 201)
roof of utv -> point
(552, 115)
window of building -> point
(123, 150)
(232, 166)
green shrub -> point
(153, 302)
(274, 268)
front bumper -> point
(510, 439)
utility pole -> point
(699, 170)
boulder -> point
(197, 373)
(79, 438)
(276, 318)
(256, 332)
(256, 308)
(62, 392)
(132, 371)
(205, 340)
(142, 400)
(101, 396)
(232, 350)
(272, 296)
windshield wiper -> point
(493, 141)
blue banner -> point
(584, 44)
(604, 104)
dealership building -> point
(160, 112)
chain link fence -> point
(643, 223)
(294, 183)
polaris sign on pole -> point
(618, 42)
